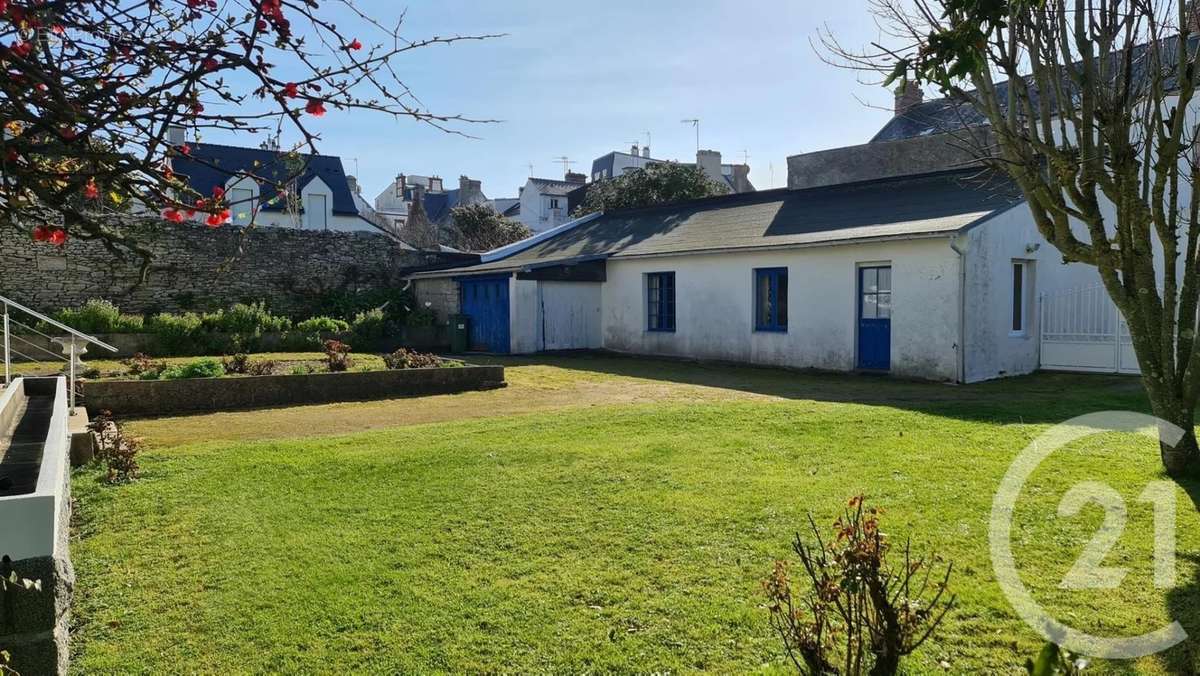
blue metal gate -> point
(485, 301)
(875, 318)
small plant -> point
(1054, 661)
(405, 358)
(369, 325)
(117, 451)
(238, 364)
(144, 367)
(201, 368)
(337, 356)
(863, 613)
(300, 370)
(264, 367)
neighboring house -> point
(736, 177)
(544, 201)
(394, 203)
(898, 256)
(509, 207)
(321, 195)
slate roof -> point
(211, 164)
(550, 186)
(942, 115)
(931, 204)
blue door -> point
(485, 302)
(875, 318)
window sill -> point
(769, 329)
(660, 330)
(1018, 334)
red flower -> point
(216, 220)
(22, 48)
(354, 46)
(210, 64)
(90, 191)
(291, 90)
(173, 215)
(123, 99)
(218, 192)
(58, 237)
(41, 233)
(315, 107)
(185, 149)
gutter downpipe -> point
(962, 309)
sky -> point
(583, 79)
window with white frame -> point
(316, 212)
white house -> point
(544, 201)
(322, 198)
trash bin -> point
(459, 332)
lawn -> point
(600, 514)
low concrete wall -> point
(34, 533)
(160, 397)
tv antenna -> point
(695, 122)
(647, 139)
(566, 162)
(530, 170)
(746, 157)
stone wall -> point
(441, 294)
(198, 268)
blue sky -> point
(581, 80)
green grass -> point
(600, 537)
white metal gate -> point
(1082, 330)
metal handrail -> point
(91, 339)
(71, 358)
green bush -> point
(317, 325)
(201, 368)
(177, 334)
(252, 319)
(96, 316)
(369, 325)
(421, 316)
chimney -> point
(352, 182)
(176, 135)
(466, 185)
(908, 96)
(646, 152)
(574, 177)
(741, 177)
(709, 161)
(400, 185)
(633, 150)
(435, 184)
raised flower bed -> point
(161, 397)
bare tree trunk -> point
(1182, 459)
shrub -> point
(116, 450)
(144, 367)
(421, 316)
(337, 356)
(300, 370)
(405, 358)
(322, 324)
(177, 334)
(97, 316)
(237, 364)
(1054, 661)
(863, 612)
(201, 368)
(369, 325)
(246, 319)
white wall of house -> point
(541, 211)
(714, 307)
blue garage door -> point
(875, 318)
(485, 302)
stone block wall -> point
(198, 268)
